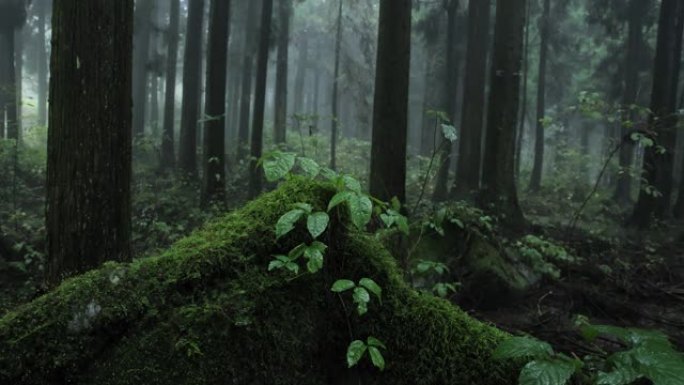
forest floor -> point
(630, 283)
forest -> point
(343, 192)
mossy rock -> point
(207, 311)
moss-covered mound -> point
(207, 311)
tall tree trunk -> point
(192, 65)
(8, 97)
(141, 58)
(658, 159)
(280, 122)
(523, 107)
(638, 10)
(544, 26)
(336, 75)
(256, 148)
(390, 105)
(215, 108)
(300, 78)
(89, 141)
(168, 159)
(451, 96)
(18, 79)
(470, 144)
(42, 6)
(247, 78)
(499, 192)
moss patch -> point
(207, 312)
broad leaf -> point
(278, 164)
(309, 166)
(339, 198)
(342, 285)
(275, 265)
(372, 341)
(546, 372)
(360, 210)
(522, 347)
(317, 223)
(355, 352)
(351, 183)
(371, 286)
(315, 258)
(376, 357)
(449, 132)
(287, 221)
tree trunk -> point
(300, 79)
(8, 97)
(42, 6)
(537, 168)
(390, 105)
(499, 192)
(215, 108)
(247, 77)
(336, 75)
(18, 79)
(470, 144)
(168, 159)
(280, 122)
(523, 108)
(658, 159)
(451, 96)
(638, 9)
(141, 58)
(89, 141)
(256, 148)
(192, 65)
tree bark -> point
(470, 144)
(89, 141)
(280, 122)
(141, 58)
(390, 106)
(336, 75)
(537, 168)
(168, 158)
(192, 66)
(499, 193)
(247, 77)
(256, 148)
(300, 78)
(659, 159)
(215, 107)
(8, 105)
(42, 6)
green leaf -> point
(304, 207)
(287, 221)
(522, 347)
(402, 224)
(293, 267)
(317, 223)
(297, 252)
(546, 372)
(372, 341)
(328, 173)
(340, 198)
(278, 164)
(355, 352)
(275, 265)
(362, 308)
(371, 286)
(361, 210)
(314, 254)
(309, 166)
(388, 220)
(351, 183)
(449, 132)
(342, 285)
(661, 366)
(376, 357)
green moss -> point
(206, 311)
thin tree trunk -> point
(168, 160)
(214, 137)
(300, 78)
(141, 56)
(247, 77)
(187, 150)
(336, 75)
(280, 121)
(544, 25)
(42, 62)
(89, 141)
(499, 192)
(523, 107)
(8, 105)
(470, 144)
(256, 148)
(390, 106)
(18, 79)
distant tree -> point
(499, 193)
(141, 58)
(256, 148)
(302, 69)
(280, 123)
(168, 159)
(42, 9)
(214, 129)
(12, 16)
(248, 77)
(470, 143)
(335, 88)
(192, 66)
(388, 147)
(654, 198)
(544, 30)
(89, 141)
